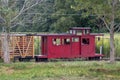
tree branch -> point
(25, 9)
(30, 7)
(105, 23)
(1, 18)
(117, 26)
(13, 4)
(4, 3)
(19, 13)
(20, 22)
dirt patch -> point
(105, 70)
(6, 70)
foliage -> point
(37, 45)
(13, 13)
(39, 18)
(59, 15)
(55, 16)
(104, 41)
(65, 17)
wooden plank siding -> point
(22, 46)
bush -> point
(37, 45)
(105, 42)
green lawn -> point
(74, 70)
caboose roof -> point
(97, 34)
(80, 28)
(55, 34)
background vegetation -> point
(105, 42)
(56, 16)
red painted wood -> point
(54, 46)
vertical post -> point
(33, 46)
(100, 51)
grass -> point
(77, 70)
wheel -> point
(20, 59)
(97, 58)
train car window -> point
(66, 41)
(98, 38)
(85, 41)
(75, 39)
(56, 41)
(86, 32)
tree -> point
(40, 19)
(53, 16)
(12, 15)
(62, 17)
(107, 11)
(45, 10)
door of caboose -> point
(85, 46)
(44, 45)
(75, 49)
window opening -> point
(75, 39)
(56, 41)
(66, 41)
(85, 41)
(85, 31)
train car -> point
(78, 43)
(21, 46)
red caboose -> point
(78, 43)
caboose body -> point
(78, 43)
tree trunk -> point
(112, 47)
(6, 55)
